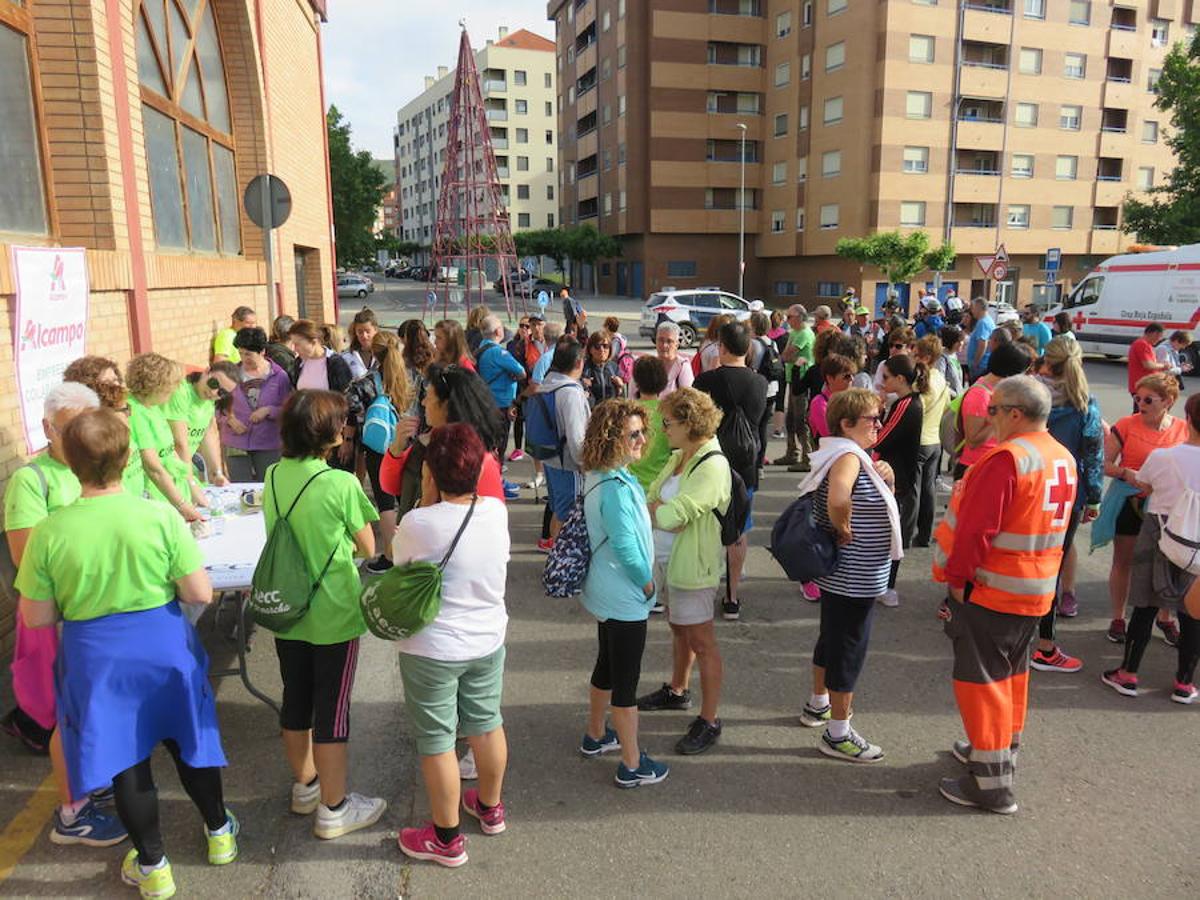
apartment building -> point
(1016, 122)
(518, 83)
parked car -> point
(692, 309)
(354, 286)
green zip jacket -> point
(697, 557)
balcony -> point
(984, 22)
(1109, 168)
(980, 125)
(499, 143)
(1109, 194)
(1123, 43)
(495, 87)
(1119, 95)
(497, 115)
(735, 7)
(970, 216)
(501, 171)
(974, 239)
(973, 186)
(984, 79)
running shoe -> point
(104, 798)
(664, 698)
(789, 459)
(490, 820)
(378, 565)
(91, 827)
(801, 466)
(357, 812)
(701, 736)
(516, 455)
(658, 608)
(890, 598)
(731, 610)
(222, 845)
(423, 843)
(853, 747)
(156, 884)
(539, 480)
(467, 770)
(1184, 693)
(1054, 661)
(778, 434)
(647, 772)
(945, 484)
(811, 591)
(812, 717)
(1068, 605)
(545, 545)
(958, 790)
(962, 751)
(35, 738)
(1121, 682)
(1170, 631)
(306, 797)
(1116, 631)
(590, 746)
(512, 490)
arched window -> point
(187, 125)
(22, 194)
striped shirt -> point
(863, 564)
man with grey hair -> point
(797, 357)
(999, 551)
(679, 366)
(821, 316)
(502, 371)
(43, 485)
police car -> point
(692, 309)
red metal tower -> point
(472, 224)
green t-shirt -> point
(108, 554)
(656, 451)
(803, 340)
(332, 510)
(223, 345)
(189, 407)
(25, 501)
(149, 431)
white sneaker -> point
(466, 767)
(890, 598)
(305, 798)
(357, 812)
(945, 484)
(538, 481)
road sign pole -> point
(268, 250)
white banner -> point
(49, 325)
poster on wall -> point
(49, 325)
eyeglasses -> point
(638, 434)
(215, 385)
(992, 410)
(874, 421)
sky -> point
(378, 52)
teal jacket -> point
(618, 524)
(697, 557)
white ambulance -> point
(1112, 305)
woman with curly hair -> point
(619, 588)
(103, 376)
(418, 354)
(152, 379)
(451, 345)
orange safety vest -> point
(1019, 573)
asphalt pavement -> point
(1106, 783)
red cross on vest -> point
(1059, 493)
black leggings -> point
(1137, 638)
(384, 502)
(318, 680)
(518, 427)
(137, 802)
(1046, 626)
(619, 660)
(842, 642)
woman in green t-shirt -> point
(331, 518)
(152, 379)
(131, 671)
(191, 414)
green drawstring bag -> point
(406, 598)
(282, 588)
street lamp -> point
(742, 215)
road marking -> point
(21, 833)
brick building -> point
(132, 128)
(1016, 122)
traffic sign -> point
(999, 271)
(1053, 259)
(543, 299)
(431, 299)
(985, 264)
(1002, 255)
(266, 192)
(1051, 277)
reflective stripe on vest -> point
(1014, 584)
(1032, 460)
(1010, 540)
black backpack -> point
(733, 520)
(770, 364)
(739, 440)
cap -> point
(861, 311)
(954, 304)
(536, 318)
(931, 302)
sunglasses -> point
(601, 346)
(637, 434)
(1148, 400)
(992, 410)
(898, 346)
(524, 326)
(214, 385)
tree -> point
(1172, 215)
(899, 256)
(550, 242)
(358, 188)
(584, 244)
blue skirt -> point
(127, 682)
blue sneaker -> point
(91, 827)
(512, 490)
(104, 798)
(647, 772)
(589, 746)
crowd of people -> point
(392, 449)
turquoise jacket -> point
(697, 556)
(618, 524)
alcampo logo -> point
(35, 336)
(58, 277)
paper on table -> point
(230, 557)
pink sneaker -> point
(545, 545)
(491, 821)
(1121, 682)
(811, 592)
(423, 843)
(516, 455)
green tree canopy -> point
(357, 188)
(1172, 215)
(899, 256)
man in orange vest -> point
(998, 552)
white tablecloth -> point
(230, 557)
